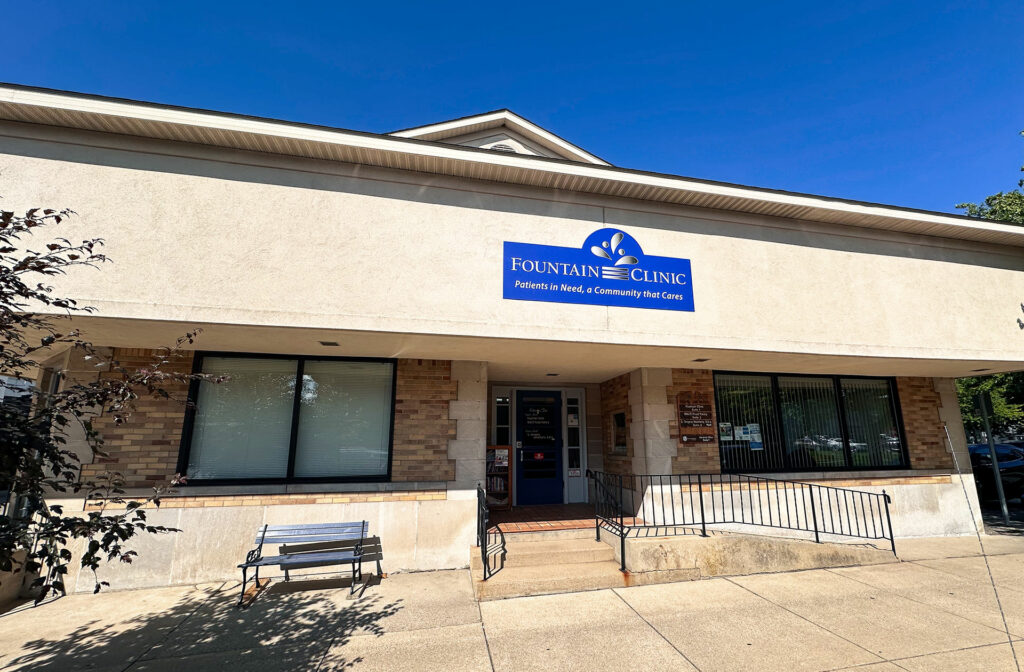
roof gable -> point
(502, 130)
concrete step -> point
(569, 578)
(550, 552)
(547, 580)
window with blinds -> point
(770, 422)
(291, 418)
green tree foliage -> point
(1007, 402)
(36, 461)
(1007, 389)
(1006, 206)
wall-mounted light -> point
(329, 344)
(552, 374)
(702, 359)
(979, 370)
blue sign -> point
(609, 270)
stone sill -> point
(292, 489)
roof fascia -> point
(372, 141)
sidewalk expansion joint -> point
(651, 626)
(167, 636)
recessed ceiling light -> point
(703, 359)
(552, 374)
(329, 344)
(979, 370)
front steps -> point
(542, 563)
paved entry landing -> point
(544, 517)
(547, 517)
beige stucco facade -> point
(271, 252)
(421, 257)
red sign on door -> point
(538, 456)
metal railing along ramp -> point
(668, 504)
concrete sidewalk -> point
(935, 611)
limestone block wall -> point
(949, 415)
(467, 449)
(643, 394)
(595, 427)
(652, 412)
(418, 532)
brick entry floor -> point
(545, 517)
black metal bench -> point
(317, 535)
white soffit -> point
(293, 139)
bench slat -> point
(312, 526)
(304, 559)
(312, 532)
(309, 539)
(321, 530)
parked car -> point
(1011, 467)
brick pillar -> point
(469, 411)
(922, 405)
(695, 457)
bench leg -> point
(286, 577)
(241, 598)
(352, 588)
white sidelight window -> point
(290, 418)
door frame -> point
(567, 391)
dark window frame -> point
(616, 449)
(897, 410)
(185, 446)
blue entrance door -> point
(539, 447)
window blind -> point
(242, 426)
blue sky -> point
(913, 104)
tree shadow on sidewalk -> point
(286, 627)
(993, 517)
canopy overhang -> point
(516, 359)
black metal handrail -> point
(662, 504)
(609, 512)
(491, 540)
